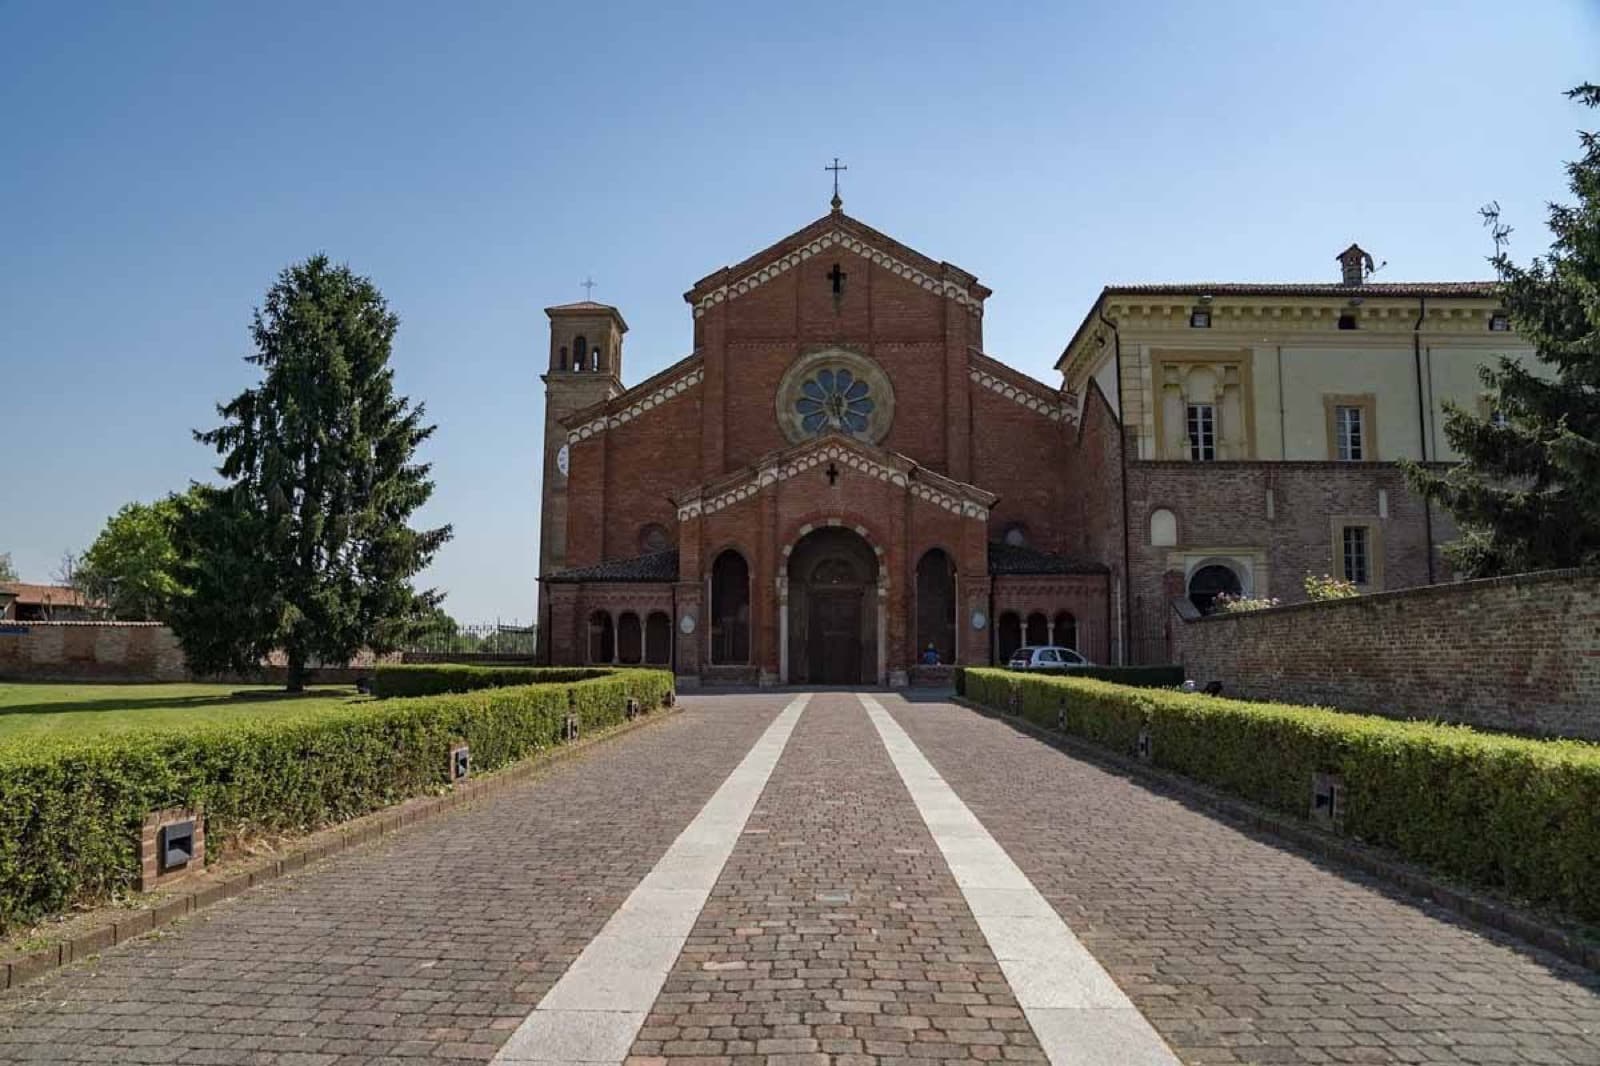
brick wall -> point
(90, 651)
(1283, 513)
(1519, 653)
(130, 651)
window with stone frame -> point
(1349, 435)
(1214, 386)
(1201, 421)
(1356, 565)
(1355, 549)
(1352, 425)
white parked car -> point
(1047, 657)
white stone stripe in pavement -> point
(1077, 1011)
(594, 1012)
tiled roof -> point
(582, 305)
(656, 566)
(54, 595)
(1247, 288)
(1015, 559)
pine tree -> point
(1527, 494)
(307, 551)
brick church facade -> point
(839, 479)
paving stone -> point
(836, 933)
(431, 945)
(835, 927)
(1240, 949)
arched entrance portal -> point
(833, 609)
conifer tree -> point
(1527, 494)
(307, 550)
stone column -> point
(1232, 417)
(883, 634)
(783, 629)
(1174, 430)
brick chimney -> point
(1354, 265)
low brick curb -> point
(374, 825)
(1474, 906)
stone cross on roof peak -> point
(838, 204)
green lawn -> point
(68, 711)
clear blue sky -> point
(159, 163)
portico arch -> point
(833, 615)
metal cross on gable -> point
(836, 167)
(588, 288)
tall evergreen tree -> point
(307, 550)
(1527, 494)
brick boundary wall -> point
(489, 658)
(90, 651)
(124, 652)
(1518, 653)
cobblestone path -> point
(1238, 950)
(431, 944)
(836, 932)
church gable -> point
(835, 456)
(676, 380)
(837, 234)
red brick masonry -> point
(1519, 653)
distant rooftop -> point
(30, 594)
(1366, 288)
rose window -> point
(834, 400)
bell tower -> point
(585, 368)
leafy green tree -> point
(1527, 495)
(307, 549)
(132, 565)
(8, 572)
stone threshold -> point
(1473, 905)
(320, 844)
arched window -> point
(1038, 628)
(580, 353)
(630, 639)
(1008, 635)
(658, 639)
(563, 357)
(1064, 631)
(1210, 581)
(730, 609)
(936, 606)
(1163, 528)
(602, 638)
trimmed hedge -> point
(1514, 814)
(1137, 676)
(434, 679)
(70, 812)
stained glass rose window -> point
(834, 400)
(834, 390)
